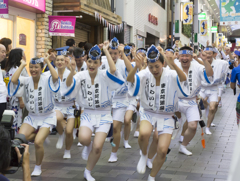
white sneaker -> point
(181, 139)
(88, 176)
(74, 133)
(113, 158)
(107, 139)
(220, 104)
(60, 141)
(67, 154)
(126, 145)
(183, 149)
(149, 163)
(86, 151)
(213, 125)
(136, 134)
(207, 131)
(37, 171)
(141, 166)
(151, 178)
(79, 144)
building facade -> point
(145, 22)
(27, 26)
(89, 28)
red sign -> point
(22, 39)
(152, 19)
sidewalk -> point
(209, 164)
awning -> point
(87, 9)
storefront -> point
(148, 25)
(88, 28)
(20, 27)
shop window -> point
(26, 37)
(161, 3)
(7, 28)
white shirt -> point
(3, 89)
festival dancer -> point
(158, 91)
(37, 91)
(92, 90)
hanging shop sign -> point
(62, 25)
(36, 4)
(187, 13)
(214, 29)
(3, 8)
(229, 12)
(204, 27)
(202, 16)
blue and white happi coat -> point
(46, 90)
(192, 86)
(94, 97)
(145, 87)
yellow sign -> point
(204, 27)
(238, 42)
(187, 13)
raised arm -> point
(126, 61)
(111, 63)
(72, 69)
(196, 58)
(17, 74)
(207, 65)
(138, 59)
(181, 75)
(51, 69)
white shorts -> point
(102, 128)
(46, 121)
(211, 94)
(118, 114)
(191, 111)
(67, 112)
(132, 108)
(152, 118)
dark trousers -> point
(3, 107)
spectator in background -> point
(234, 78)
(82, 44)
(71, 43)
(8, 45)
(15, 103)
(79, 55)
(87, 47)
(3, 89)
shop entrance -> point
(151, 39)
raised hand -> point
(160, 49)
(133, 51)
(195, 56)
(106, 44)
(138, 60)
(121, 48)
(73, 65)
(170, 58)
(204, 56)
(23, 62)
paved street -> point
(209, 164)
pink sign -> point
(36, 4)
(3, 8)
(62, 25)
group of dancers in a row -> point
(108, 90)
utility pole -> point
(172, 23)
